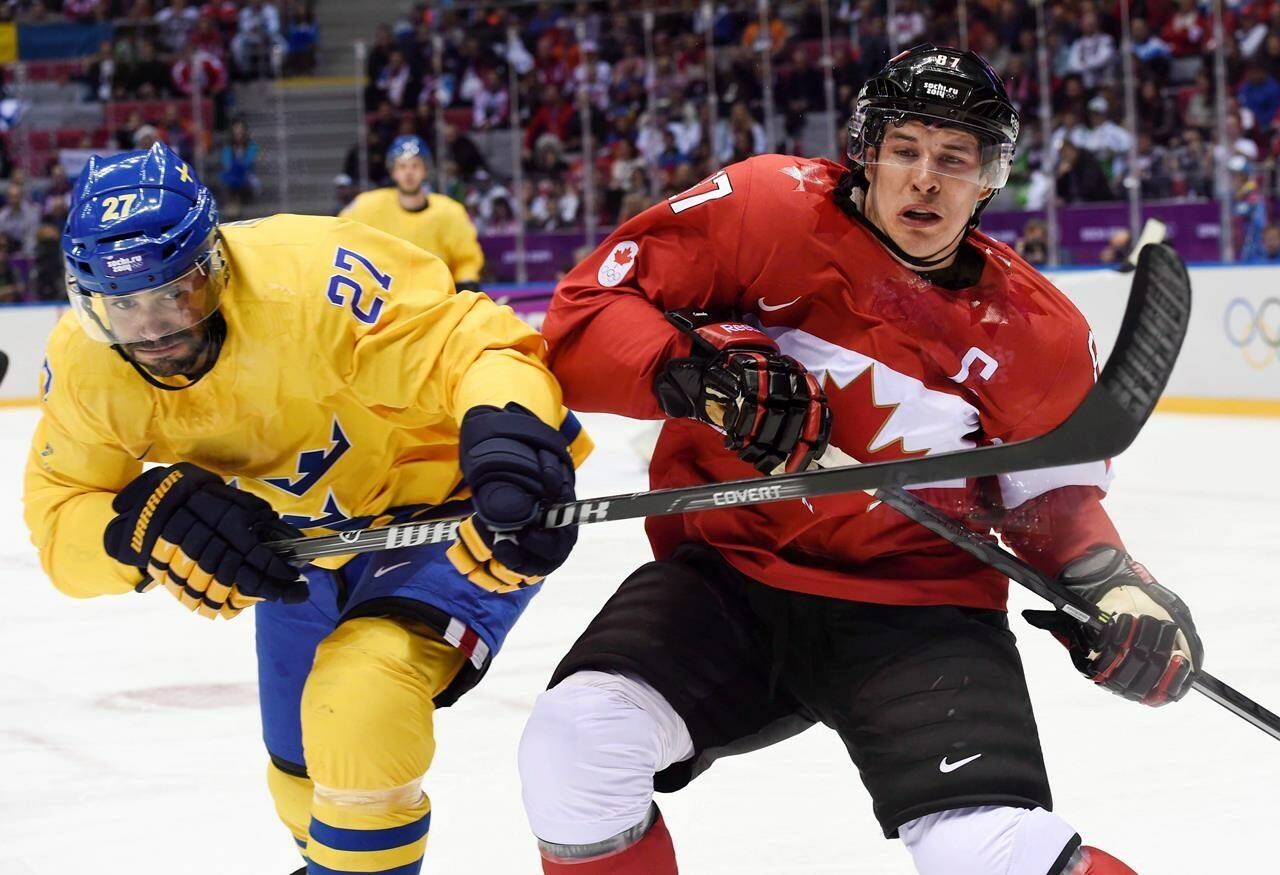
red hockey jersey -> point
(909, 368)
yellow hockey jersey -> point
(443, 228)
(348, 364)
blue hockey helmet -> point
(408, 146)
(141, 247)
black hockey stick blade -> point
(1103, 425)
(4, 366)
(985, 549)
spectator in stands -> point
(1108, 141)
(1270, 243)
(257, 36)
(100, 73)
(1117, 248)
(19, 218)
(1080, 177)
(502, 219)
(1252, 32)
(124, 134)
(147, 78)
(554, 116)
(176, 132)
(492, 102)
(1150, 51)
(638, 199)
(396, 82)
(625, 162)
(48, 281)
(1186, 31)
(344, 192)
(201, 69)
(176, 21)
(568, 204)
(463, 152)
(379, 52)
(239, 176)
(301, 40)
(1153, 171)
(1249, 206)
(1260, 94)
(206, 37)
(145, 137)
(671, 158)
(1190, 165)
(907, 24)
(593, 75)
(540, 214)
(737, 133)
(1158, 111)
(1093, 54)
(548, 158)
(1033, 245)
(57, 197)
(10, 283)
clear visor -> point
(154, 313)
(916, 146)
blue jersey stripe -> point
(369, 839)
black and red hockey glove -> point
(1149, 652)
(202, 540)
(773, 412)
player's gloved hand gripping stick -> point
(1103, 425)
(1089, 627)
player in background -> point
(407, 210)
(299, 373)
(779, 305)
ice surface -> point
(129, 733)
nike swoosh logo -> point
(769, 308)
(382, 571)
(946, 767)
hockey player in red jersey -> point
(782, 305)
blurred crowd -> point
(31, 220)
(159, 47)
(582, 68)
(157, 56)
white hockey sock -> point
(987, 840)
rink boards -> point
(1229, 364)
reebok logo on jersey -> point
(617, 264)
(946, 767)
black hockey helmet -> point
(941, 86)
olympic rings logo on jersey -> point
(1255, 330)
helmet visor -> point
(155, 313)
(923, 143)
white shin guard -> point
(588, 756)
(987, 840)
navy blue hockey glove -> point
(1149, 652)
(772, 412)
(517, 466)
(202, 540)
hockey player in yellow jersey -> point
(437, 223)
(299, 373)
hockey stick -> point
(1104, 424)
(4, 366)
(986, 550)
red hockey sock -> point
(1095, 862)
(652, 855)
